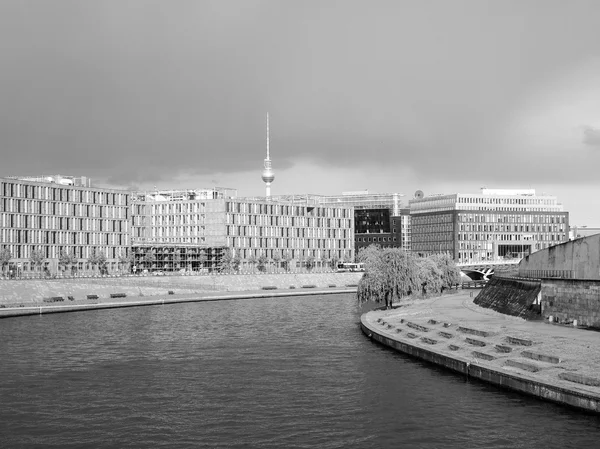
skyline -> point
(386, 96)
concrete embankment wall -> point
(577, 259)
(473, 370)
(26, 292)
(572, 299)
(511, 296)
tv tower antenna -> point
(267, 175)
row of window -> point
(268, 242)
(25, 251)
(63, 237)
(28, 222)
(32, 207)
(241, 207)
(64, 194)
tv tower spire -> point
(267, 175)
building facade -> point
(377, 217)
(490, 226)
(44, 218)
(194, 230)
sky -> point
(387, 96)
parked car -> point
(159, 273)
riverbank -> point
(114, 303)
(549, 361)
(25, 293)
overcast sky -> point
(391, 96)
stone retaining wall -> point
(511, 296)
(572, 299)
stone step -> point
(580, 379)
(541, 357)
(474, 342)
(482, 355)
(523, 365)
(467, 330)
(519, 341)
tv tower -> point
(267, 175)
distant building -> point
(55, 214)
(577, 232)
(378, 218)
(490, 226)
(194, 229)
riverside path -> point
(550, 361)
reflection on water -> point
(270, 373)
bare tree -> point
(5, 256)
(37, 258)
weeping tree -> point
(390, 273)
(450, 272)
(429, 275)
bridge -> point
(485, 269)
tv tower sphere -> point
(267, 175)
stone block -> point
(453, 347)
(445, 334)
(417, 326)
(504, 349)
(540, 357)
(482, 355)
(522, 365)
(580, 379)
(474, 342)
(429, 341)
(477, 332)
(519, 341)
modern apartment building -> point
(194, 229)
(42, 217)
(493, 225)
(377, 218)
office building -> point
(378, 218)
(493, 225)
(194, 229)
(46, 216)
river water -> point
(268, 373)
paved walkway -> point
(435, 324)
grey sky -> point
(396, 95)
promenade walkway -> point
(530, 356)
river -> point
(267, 373)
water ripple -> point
(265, 373)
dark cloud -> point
(591, 136)
(139, 92)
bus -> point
(348, 266)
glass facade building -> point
(377, 218)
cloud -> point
(591, 136)
(142, 93)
